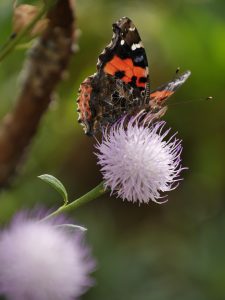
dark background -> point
(173, 251)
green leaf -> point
(56, 184)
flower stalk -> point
(91, 195)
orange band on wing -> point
(139, 72)
(126, 65)
(159, 96)
(110, 69)
(126, 79)
(141, 84)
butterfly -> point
(121, 84)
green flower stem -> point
(93, 194)
(12, 43)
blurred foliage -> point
(174, 251)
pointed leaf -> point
(56, 184)
(72, 227)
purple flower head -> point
(43, 260)
(136, 161)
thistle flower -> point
(43, 261)
(137, 162)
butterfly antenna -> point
(209, 98)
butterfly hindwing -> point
(161, 94)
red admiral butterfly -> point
(121, 84)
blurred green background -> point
(153, 252)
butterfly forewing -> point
(125, 57)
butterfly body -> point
(121, 84)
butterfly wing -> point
(125, 57)
(161, 94)
(121, 83)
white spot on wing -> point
(136, 46)
(122, 42)
(132, 28)
(133, 47)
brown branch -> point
(43, 70)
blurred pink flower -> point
(136, 161)
(43, 261)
